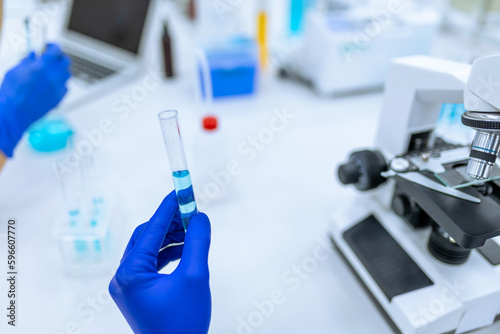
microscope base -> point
(418, 292)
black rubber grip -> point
(486, 125)
(489, 157)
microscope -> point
(422, 235)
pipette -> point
(178, 165)
(27, 23)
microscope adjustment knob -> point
(349, 173)
(444, 248)
(363, 170)
(401, 205)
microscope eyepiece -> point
(484, 150)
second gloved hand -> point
(29, 91)
(155, 303)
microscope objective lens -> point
(483, 155)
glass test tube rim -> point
(169, 121)
(168, 114)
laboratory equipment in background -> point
(478, 18)
(25, 31)
(211, 157)
(450, 127)
(178, 165)
(337, 5)
(188, 7)
(424, 238)
(221, 20)
(84, 228)
(262, 33)
(191, 9)
(51, 133)
(346, 51)
(167, 52)
(106, 41)
(298, 10)
(228, 68)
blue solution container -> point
(233, 66)
(49, 134)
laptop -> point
(105, 40)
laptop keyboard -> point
(88, 71)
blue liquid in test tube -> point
(180, 173)
(185, 195)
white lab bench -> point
(276, 217)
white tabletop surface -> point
(275, 216)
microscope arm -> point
(415, 90)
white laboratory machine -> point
(345, 51)
(423, 235)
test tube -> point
(178, 165)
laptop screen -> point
(115, 22)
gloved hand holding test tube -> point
(180, 302)
(178, 165)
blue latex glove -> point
(29, 91)
(156, 303)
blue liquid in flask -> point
(185, 195)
